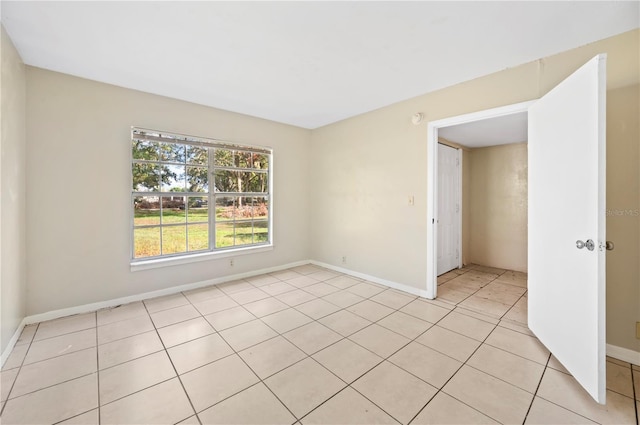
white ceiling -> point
(301, 63)
(489, 132)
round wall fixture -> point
(417, 118)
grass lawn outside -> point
(194, 234)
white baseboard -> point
(12, 342)
(395, 285)
(87, 308)
(623, 354)
(614, 351)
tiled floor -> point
(306, 345)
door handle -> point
(589, 244)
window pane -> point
(173, 209)
(146, 177)
(146, 242)
(174, 239)
(243, 159)
(146, 210)
(172, 152)
(244, 233)
(198, 209)
(198, 237)
(197, 155)
(144, 150)
(244, 209)
(197, 179)
(224, 235)
(227, 181)
(260, 231)
(173, 178)
(241, 181)
(261, 208)
(260, 161)
(223, 157)
(256, 182)
(171, 222)
(225, 208)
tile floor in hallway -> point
(306, 345)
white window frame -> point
(212, 252)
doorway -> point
(566, 284)
(433, 184)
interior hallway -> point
(310, 345)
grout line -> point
(349, 384)
(502, 380)
(4, 406)
(60, 355)
(52, 385)
(174, 369)
(140, 390)
(352, 388)
(517, 355)
(98, 373)
(393, 353)
(635, 393)
(339, 289)
(310, 356)
(561, 406)
(469, 357)
(62, 334)
(591, 420)
(79, 414)
(260, 380)
(455, 373)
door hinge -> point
(457, 162)
(457, 254)
(457, 207)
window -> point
(194, 195)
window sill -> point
(195, 258)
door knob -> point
(589, 244)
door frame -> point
(458, 221)
(432, 180)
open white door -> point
(567, 224)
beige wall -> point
(340, 190)
(78, 191)
(497, 207)
(623, 221)
(12, 176)
(365, 167)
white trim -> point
(194, 258)
(614, 351)
(432, 175)
(460, 165)
(432, 196)
(212, 252)
(12, 342)
(395, 285)
(87, 308)
(624, 354)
